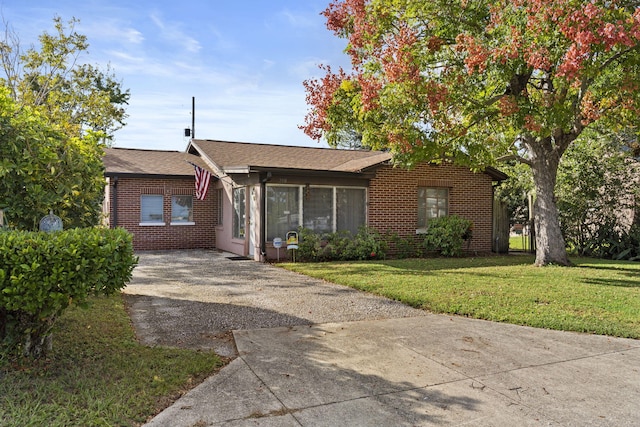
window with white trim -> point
(151, 209)
(182, 209)
(432, 203)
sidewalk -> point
(417, 371)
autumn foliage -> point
(474, 81)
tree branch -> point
(514, 157)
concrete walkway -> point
(423, 370)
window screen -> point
(350, 209)
(283, 211)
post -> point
(532, 224)
(193, 117)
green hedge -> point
(341, 246)
(41, 274)
(446, 235)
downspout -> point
(114, 202)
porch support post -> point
(264, 178)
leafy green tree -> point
(597, 192)
(473, 81)
(350, 140)
(78, 97)
(57, 115)
(42, 168)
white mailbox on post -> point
(277, 243)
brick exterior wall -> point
(167, 236)
(393, 199)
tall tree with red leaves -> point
(476, 81)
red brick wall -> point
(393, 199)
(167, 236)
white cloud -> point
(307, 69)
(111, 31)
(173, 33)
(222, 42)
(133, 36)
(298, 19)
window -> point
(318, 209)
(182, 209)
(283, 211)
(351, 209)
(219, 195)
(321, 209)
(239, 212)
(432, 203)
(151, 211)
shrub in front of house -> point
(404, 247)
(446, 235)
(367, 244)
(309, 247)
(340, 246)
(41, 274)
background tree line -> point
(598, 196)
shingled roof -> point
(221, 157)
(130, 161)
(238, 155)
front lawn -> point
(594, 296)
(519, 243)
(97, 374)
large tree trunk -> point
(550, 244)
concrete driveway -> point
(377, 363)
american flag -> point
(202, 182)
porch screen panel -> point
(283, 211)
(318, 209)
(350, 209)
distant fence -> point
(500, 242)
(522, 237)
(502, 231)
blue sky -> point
(243, 60)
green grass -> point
(594, 296)
(97, 374)
(519, 243)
